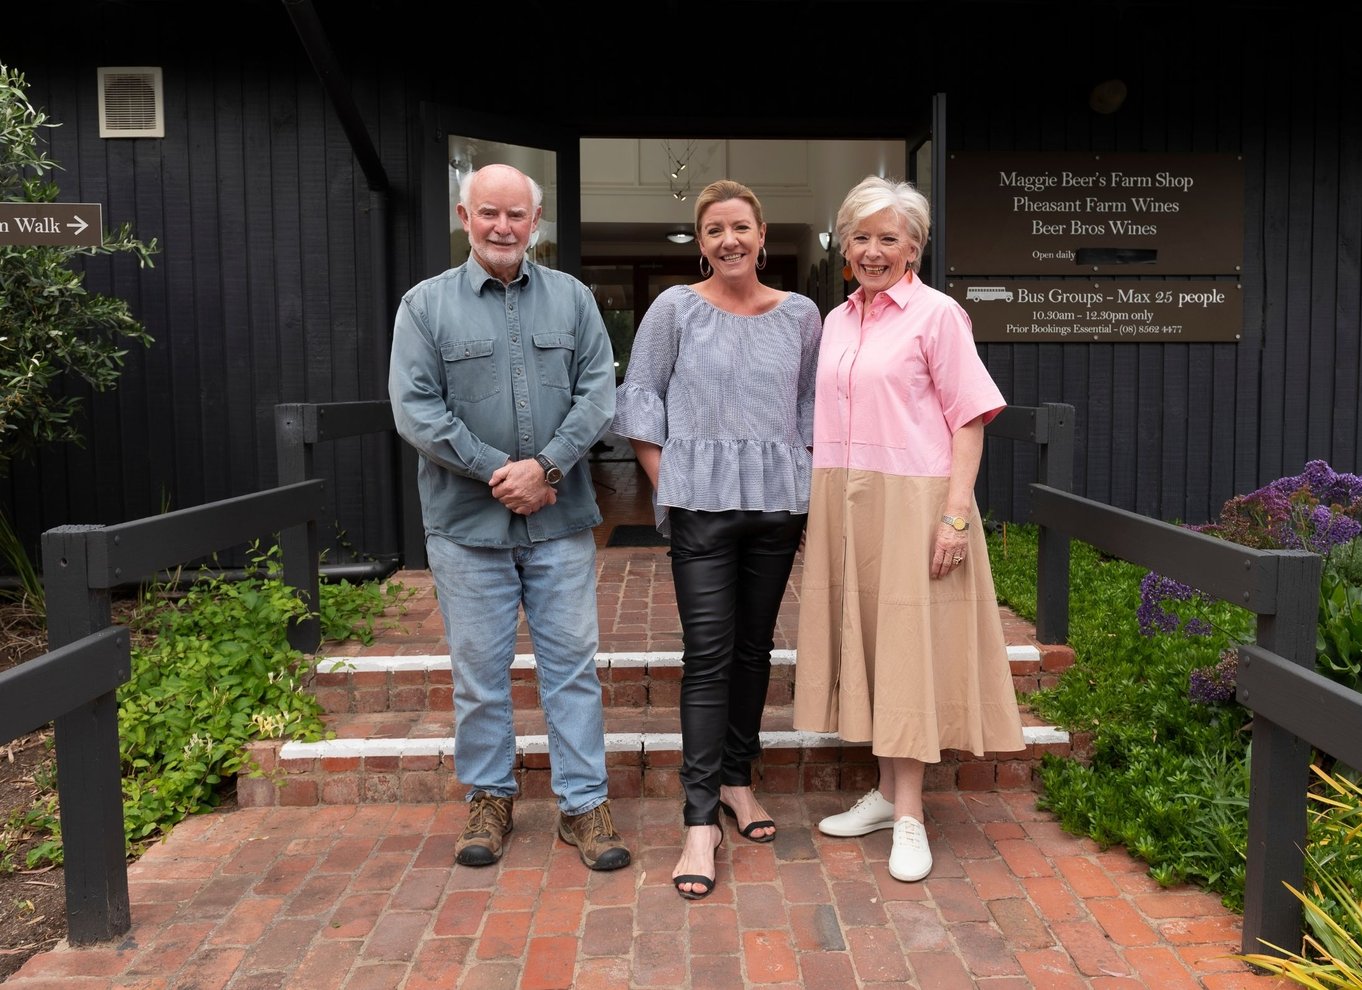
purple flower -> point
(1330, 529)
(1215, 684)
(1155, 617)
(1316, 510)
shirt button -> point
(515, 339)
(522, 403)
(525, 437)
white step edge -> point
(525, 661)
(615, 742)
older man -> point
(502, 378)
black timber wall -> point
(263, 293)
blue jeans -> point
(481, 590)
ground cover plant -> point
(1153, 686)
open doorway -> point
(638, 201)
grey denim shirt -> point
(483, 373)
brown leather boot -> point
(594, 835)
(489, 822)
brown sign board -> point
(52, 224)
(1081, 213)
(1109, 311)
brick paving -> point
(365, 896)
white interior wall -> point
(800, 185)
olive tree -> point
(50, 324)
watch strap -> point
(552, 473)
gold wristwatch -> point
(957, 523)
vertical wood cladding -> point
(263, 289)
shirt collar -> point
(901, 291)
(479, 276)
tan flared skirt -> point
(887, 655)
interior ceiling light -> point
(680, 237)
(676, 164)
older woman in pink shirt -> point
(900, 644)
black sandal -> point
(707, 883)
(746, 833)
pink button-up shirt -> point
(894, 386)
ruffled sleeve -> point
(641, 400)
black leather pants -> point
(730, 570)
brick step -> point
(408, 756)
(422, 683)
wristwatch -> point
(957, 523)
(552, 473)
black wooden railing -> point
(1277, 679)
(300, 426)
(75, 684)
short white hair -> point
(875, 193)
(466, 186)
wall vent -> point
(131, 102)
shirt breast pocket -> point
(554, 356)
(470, 369)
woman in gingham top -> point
(718, 404)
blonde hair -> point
(721, 191)
(874, 194)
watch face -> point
(959, 523)
(552, 473)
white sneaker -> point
(911, 857)
(870, 814)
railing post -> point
(1052, 546)
(89, 777)
(1279, 771)
(299, 544)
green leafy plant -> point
(211, 670)
(1165, 772)
(1168, 774)
(1338, 641)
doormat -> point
(636, 536)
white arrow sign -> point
(79, 224)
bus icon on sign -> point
(988, 293)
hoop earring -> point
(761, 258)
(703, 273)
